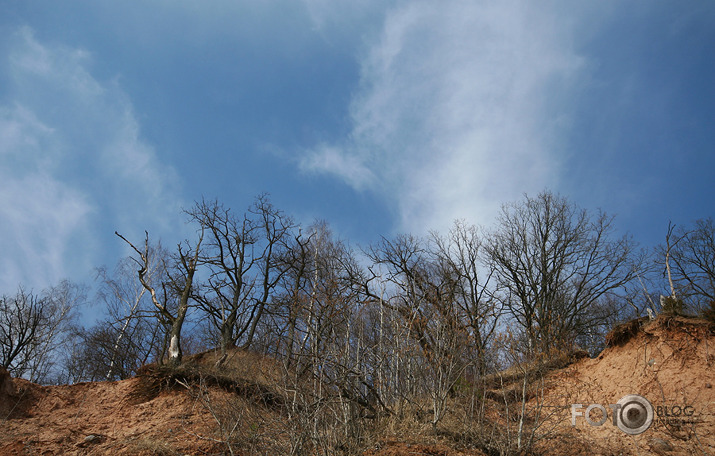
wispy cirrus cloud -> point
(349, 167)
(73, 166)
(40, 214)
(460, 108)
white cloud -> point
(459, 109)
(73, 167)
(346, 166)
(42, 218)
(344, 20)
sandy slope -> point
(99, 418)
(669, 362)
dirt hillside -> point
(668, 361)
(97, 418)
(138, 416)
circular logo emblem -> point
(635, 414)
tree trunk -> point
(175, 347)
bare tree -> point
(32, 329)
(242, 256)
(291, 299)
(426, 294)
(176, 284)
(325, 354)
(22, 319)
(554, 261)
(479, 310)
(118, 345)
(692, 271)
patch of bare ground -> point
(668, 361)
(396, 448)
(147, 415)
(99, 418)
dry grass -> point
(624, 332)
(621, 334)
(147, 446)
(694, 326)
(245, 374)
(544, 364)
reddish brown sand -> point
(669, 361)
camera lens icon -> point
(635, 414)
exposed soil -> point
(668, 361)
(99, 418)
(392, 448)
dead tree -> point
(175, 284)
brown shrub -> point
(709, 312)
(624, 332)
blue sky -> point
(377, 116)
